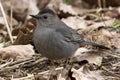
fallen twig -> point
(6, 22)
(41, 73)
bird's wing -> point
(71, 35)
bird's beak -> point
(35, 16)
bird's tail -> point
(95, 44)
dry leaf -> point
(24, 38)
(117, 50)
(42, 3)
(101, 36)
(3, 33)
(1, 45)
(54, 4)
(106, 33)
(75, 22)
(115, 41)
(103, 23)
(60, 77)
(67, 9)
(96, 25)
(17, 52)
(2, 22)
(14, 21)
(85, 74)
(20, 13)
(2, 78)
(89, 55)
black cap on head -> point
(43, 11)
(46, 10)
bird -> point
(54, 39)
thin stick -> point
(41, 73)
(3, 65)
(11, 15)
(6, 23)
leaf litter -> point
(19, 61)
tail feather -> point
(95, 44)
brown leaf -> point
(85, 74)
(115, 41)
(89, 55)
(75, 22)
(42, 3)
(67, 9)
(19, 13)
(23, 38)
(100, 36)
(54, 4)
(104, 23)
(17, 52)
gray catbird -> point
(54, 39)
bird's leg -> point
(66, 69)
(51, 69)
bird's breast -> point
(52, 45)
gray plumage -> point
(54, 39)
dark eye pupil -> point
(45, 17)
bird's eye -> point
(45, 17)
